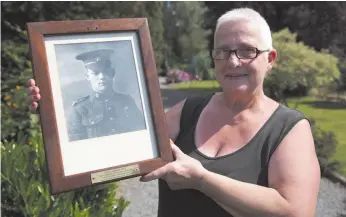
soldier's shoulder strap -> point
(78, 101)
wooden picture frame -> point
(68, 57)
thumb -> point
(177, 153)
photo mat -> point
(69, 84)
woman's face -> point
(241, 75)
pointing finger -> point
(156, 174)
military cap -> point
(96, 59)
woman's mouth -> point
(235, 75)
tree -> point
(300, 67)
(185, 31)
(15, 15)
(154, 12)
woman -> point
(238, 152)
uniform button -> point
(92, 122)
(111, 119)
(113, 130)
(109, 108)
(97, 95)
(106, 100)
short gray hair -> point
(250, 15)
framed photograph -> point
(101, 110)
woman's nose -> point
(233, 60)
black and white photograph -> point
(94, 104)
(100, 100)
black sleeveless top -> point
(248, 164)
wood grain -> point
(154, 93)
(85, 26)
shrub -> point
(325, 145)
(16, 69)
(342, 80)
(203, 62)
(299, 68)
(25, 188)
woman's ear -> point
(272, 56)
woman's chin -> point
(237, 89)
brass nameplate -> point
(115, 173)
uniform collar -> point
(101, 97)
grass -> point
(329, 116)
(198, 86)
(210, 84)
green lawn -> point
(197, 85)
(330, 116)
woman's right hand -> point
(33, 96)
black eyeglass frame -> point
(258, 52)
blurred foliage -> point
(17, 14)
(185, 32)
(16, 69)
(203, 62)
(25, 189)
(300, 69)
(342, 82)
(325, 145)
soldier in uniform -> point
(103, 112)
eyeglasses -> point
(241, 53)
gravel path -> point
(332, 199)
(144, 196)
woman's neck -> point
(239, 102)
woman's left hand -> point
(183, 173)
